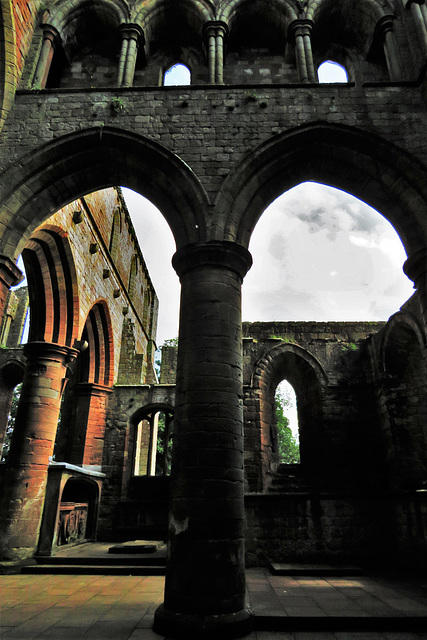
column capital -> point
(214, 28)
(39, 350)
(132, 31)
(10, 274)
(416, 265)
(300, 27)
(408, 3)
(384, 24)
(224, 254)
(50, 33)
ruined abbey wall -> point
(91, 112)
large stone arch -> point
(347, 158)
(372, 9)
(83, 162)
(286, 361)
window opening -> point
(177, 74)
(153, 451)
(330, 71)
(286, 415)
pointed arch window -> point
(177, 75)
(286, 418)
(330, 72)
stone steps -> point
(137, 558)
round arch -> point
(97, 360)
(144, 436)
(49, 260)
(372, 10)
(402, 328)
(117, 9)
(283, 8)
(92, 159)
(347, 158)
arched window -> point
(286, 417)
(177, 75)
(329, 72)
(153, 444)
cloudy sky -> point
(319, 254)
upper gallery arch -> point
(360, 163)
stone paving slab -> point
(122, 607)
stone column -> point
(215, 32)
(419, 14)
(209, 33)
(88, 428)
(123, 55)
(415, 268)
(10, 276)
(50, 39)
(221, 33)
(385, 29)
(32, 445)
(134, 36)
(205, 576)
(300, 34)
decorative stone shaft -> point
(132, 36)
(300, 32)
(419, 14)
(206, 518)
(385, 28)
(215, 33)
(32, 445)
(50, 39)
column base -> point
(208, 627)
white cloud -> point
(319, 254)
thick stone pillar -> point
(385, 29)
(300, 34)
(10, 276)
(205, 577)
(215, 33)
(50, 39)
(88, 430)
(123, 56)
(134, 35)
(32, 445)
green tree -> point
(288, 447)
(11, 421)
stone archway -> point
(92, 159)
(347, 158)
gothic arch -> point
(83, 162)
(347, 158)
(52, 285)
(290, 362)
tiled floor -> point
(122, 607)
